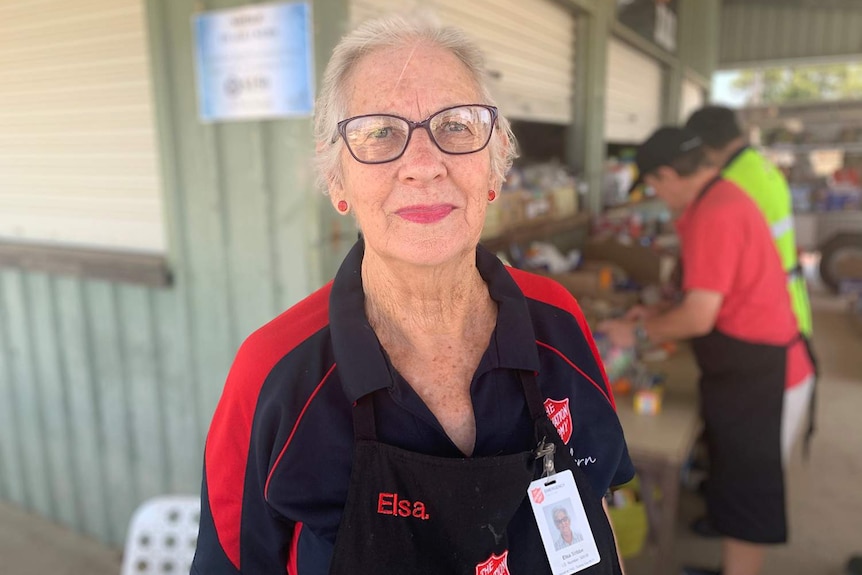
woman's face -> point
(427, 207)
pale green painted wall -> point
(698, 39)
(106, 390)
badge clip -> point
(546, 452)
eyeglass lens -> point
(377, 139)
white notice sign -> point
(254, 62)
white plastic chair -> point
(162, 536)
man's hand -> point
(640, 312)
(620, 332)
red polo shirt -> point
(727, 248)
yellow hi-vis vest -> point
(765, 184)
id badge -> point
(562, 520)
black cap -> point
(716, 125)
(662, 148)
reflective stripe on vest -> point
(782, 226)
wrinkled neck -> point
(424, 301)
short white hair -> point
(394, 31)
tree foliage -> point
(801, 84)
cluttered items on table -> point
(609, 277)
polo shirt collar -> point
(514, 335)
(362, 363)
(734, 156)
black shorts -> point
(745, 490)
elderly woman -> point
(396, 420)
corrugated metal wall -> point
(755, 33)
(106, 390)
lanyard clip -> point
(546, 452)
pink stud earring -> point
(342, 206)
(491, 195)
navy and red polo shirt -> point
(278, 455)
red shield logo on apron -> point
(537, 494)
(560, 416)
(495, 565)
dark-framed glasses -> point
(381, 138)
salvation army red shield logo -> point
(495, 565)
(537, 494)
(560, 416)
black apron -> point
(411, 514)
(742, 396)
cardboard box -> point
(589, 285)
(641, 264)
(648, 401)
(580, 282)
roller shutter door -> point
(634, 89)
(78, 162)
(692, 99)
(529, 46)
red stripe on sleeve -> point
(578, 369)
(227, 447)
(548, 291)
(582, 321)
(292, 568)
(293, 431)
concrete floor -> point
(825, 493)
(30, 545)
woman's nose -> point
(422, 160)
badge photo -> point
(559, 519)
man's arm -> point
(695, 316)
